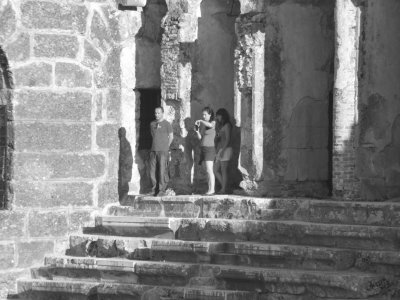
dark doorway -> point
(149, 100)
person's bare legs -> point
(224, 172)
(210, 176)
(217, 173)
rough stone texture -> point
(45, 224)
(345, 183)
(33, 74)
(18, 49)
(78, 219)
(32, 253)
(92, 57)
(12, 224)
(7, 20)
(113, 104)
(109, 76)
(377, 158)
(48, 105)
(55, 45)
(107, 136)
(51, 15)
(58, 166)
(42, 136)
(8, 279)
(7, 255)
(47, 194)
(108, 193)
(72, 75)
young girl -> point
(205, 130)
(224, 149)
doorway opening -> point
(149, 100)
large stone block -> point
(110, 74)
(31, 253)
(92, 57)
(72, 75)
(7, 255)
(40, 136)
(12, 224)
(33, 74)
(7, 21)
(52, 194)
(47, 105)
(113, 104)
(53, 15)
(108, 193)
(107, 136)
(18, 49)
(79, 219)
(58, 166)
(54, 45)
(47, 224)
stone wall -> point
(65, 58)
(378, 160)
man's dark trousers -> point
(159, 158)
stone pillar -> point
(128, 95)
(249, 99)
(345, 107)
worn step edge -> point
(359, 283)
(93, 245)
(104, 288)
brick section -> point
(18, 50)
(107, 136)
(40, 136)
(12, 224)
(54, 45)
(72, 75)
(113, 104)
(48, 105)
(58, 166)
(33, 74)
(52, 194)
(47, 224)
(7, 255)
(31, 253)
(8, 21)
(345, 182)
(52, 15)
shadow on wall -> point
(6, 143)
(125, 164)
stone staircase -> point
(228, 247)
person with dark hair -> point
(205, 130)
(161, 132)
(224, 149)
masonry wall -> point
(378, 160)
(65, 59)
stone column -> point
(249, 99)
(128, 95)
(345, 106)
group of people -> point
(214, 133)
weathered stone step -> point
(252, 208)
(281, 232)
(317, 283)
(132, 226)
(38, 289)
(238, 253)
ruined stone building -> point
(313, 89)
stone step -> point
(38, 289)
(331, 284)
(252, 208)
(281, 232)
(132, 226)
(236, 253)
